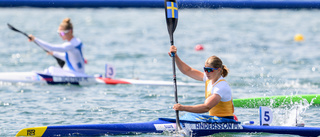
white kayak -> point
(37, 77)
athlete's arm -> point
(184, 68)
(50, 47)
(60, 55)
(209, 103)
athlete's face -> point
(64, 34)
(213, 73)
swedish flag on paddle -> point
(172, 9)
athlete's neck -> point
(215, 79)
(70, 38)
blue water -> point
(256, 45)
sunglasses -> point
(207, 69)
(62, 32)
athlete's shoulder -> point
(75, 41)
(223, 84)
(220, 83)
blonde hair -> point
(216, 62)
(66, 24)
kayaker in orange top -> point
(217, 91)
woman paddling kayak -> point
(70, 51)
(217, 91)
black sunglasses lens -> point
(208, 70)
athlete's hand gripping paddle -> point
(60, 62)
(171, 9)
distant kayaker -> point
(217, 91)
(69, 51)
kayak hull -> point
(161, 125)
(34, 77)
(27, 77)
(96, 129)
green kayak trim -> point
(277, 101)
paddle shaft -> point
(60, 62)
(171, 10)
(175, 89)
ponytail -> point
(225, 71)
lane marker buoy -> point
(298, 38)
(199, 47)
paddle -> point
(60, 62)
(171, 9)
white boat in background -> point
(38, 77)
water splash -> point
(290, 115)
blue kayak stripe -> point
(49, 80)
(149, 127)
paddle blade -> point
(171, 8)
(14, 29)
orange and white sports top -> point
(221, 87)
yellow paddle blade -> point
(34, 131)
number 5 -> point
(265, 116)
